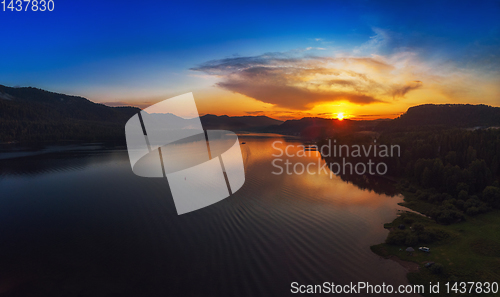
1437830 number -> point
(26, 5)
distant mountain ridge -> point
(29, 114)
(448, 115)
(33, 115)
(238, 123)
(62, 106)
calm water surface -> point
(82, 224)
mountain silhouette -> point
(34, 115)
(29, 114)
(446, 115)
(224, 122)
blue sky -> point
(131, 50)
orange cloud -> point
(301, 83)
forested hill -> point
(448, 115)
(34, 115)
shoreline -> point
(409, 266)
(466, 251)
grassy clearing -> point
(468, 251)
(412, 202)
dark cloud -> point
(300, 83)
(255, 112)
(400, 91)
(291, 96)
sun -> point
(340, 116)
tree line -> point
(454, 171)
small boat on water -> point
(243, 143)
(310, 147)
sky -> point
(283, 59)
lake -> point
(80, 223)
